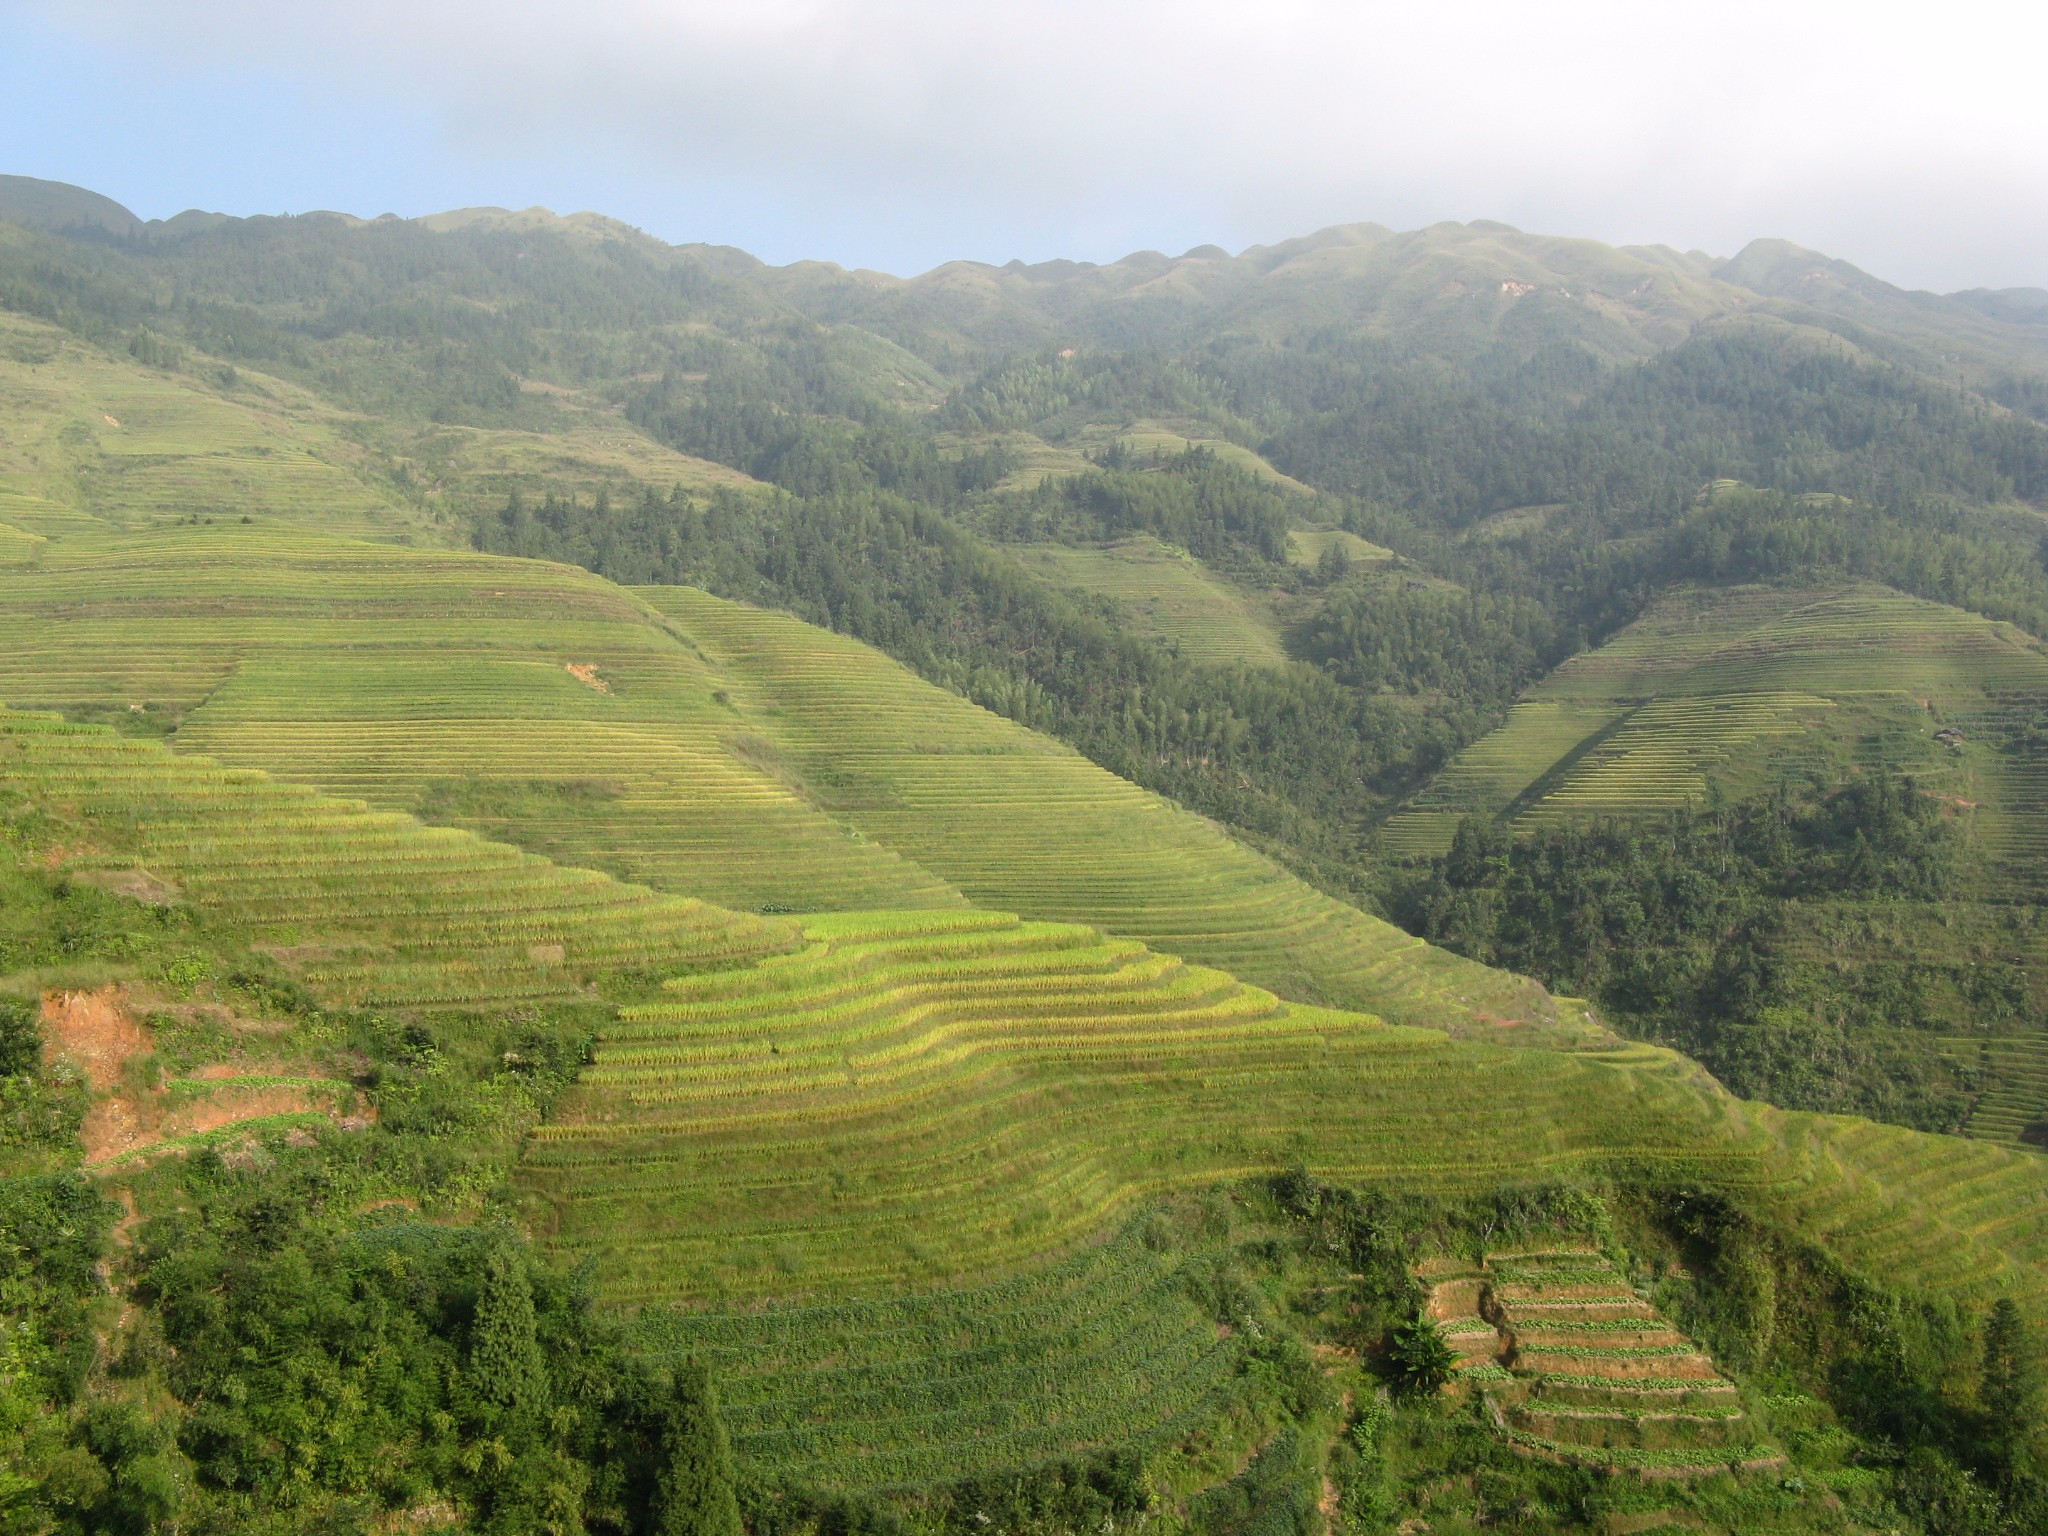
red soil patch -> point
(586, 674)
(97, 1033)
(234, 1105)
(94, 1032)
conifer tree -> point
(2011, 1389)
(505, 1365)
(695, 1493)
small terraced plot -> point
(1307, 546)
(1577, 1367)
(1166, 594)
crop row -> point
(402, 912)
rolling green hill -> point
(728, 753)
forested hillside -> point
(645, 892)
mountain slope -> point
(1726, 696)
(734, 755)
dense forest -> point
(1675, 927)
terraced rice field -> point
(1496, 771)
(1682, 629)
(951, 1099)
(2014, 1107)
(719, 751)
(1663, 755)
(529, 702)
(1105, 1348)
(942, 1094)
(1601, 1379)
(933, 1097)
(1022, 824)
(366, 906)
(1167, 595)
(39, 517)
(18, 544)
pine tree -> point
(505, 1365)
(695, 1494)
(2011, 1389)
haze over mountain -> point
(897, 133)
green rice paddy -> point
(1716, 686)
(705, 749)
(366, 907)
(1167, 595)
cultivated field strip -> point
(1104, 1348)
(367, 906)
(531, 703)
(1600, 1378)
(928, 1097)
(1022, 824)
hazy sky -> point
(1912, 139)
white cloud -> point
(1908, 138)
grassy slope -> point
(98, 434)
(104, 435)
(1166, 595)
